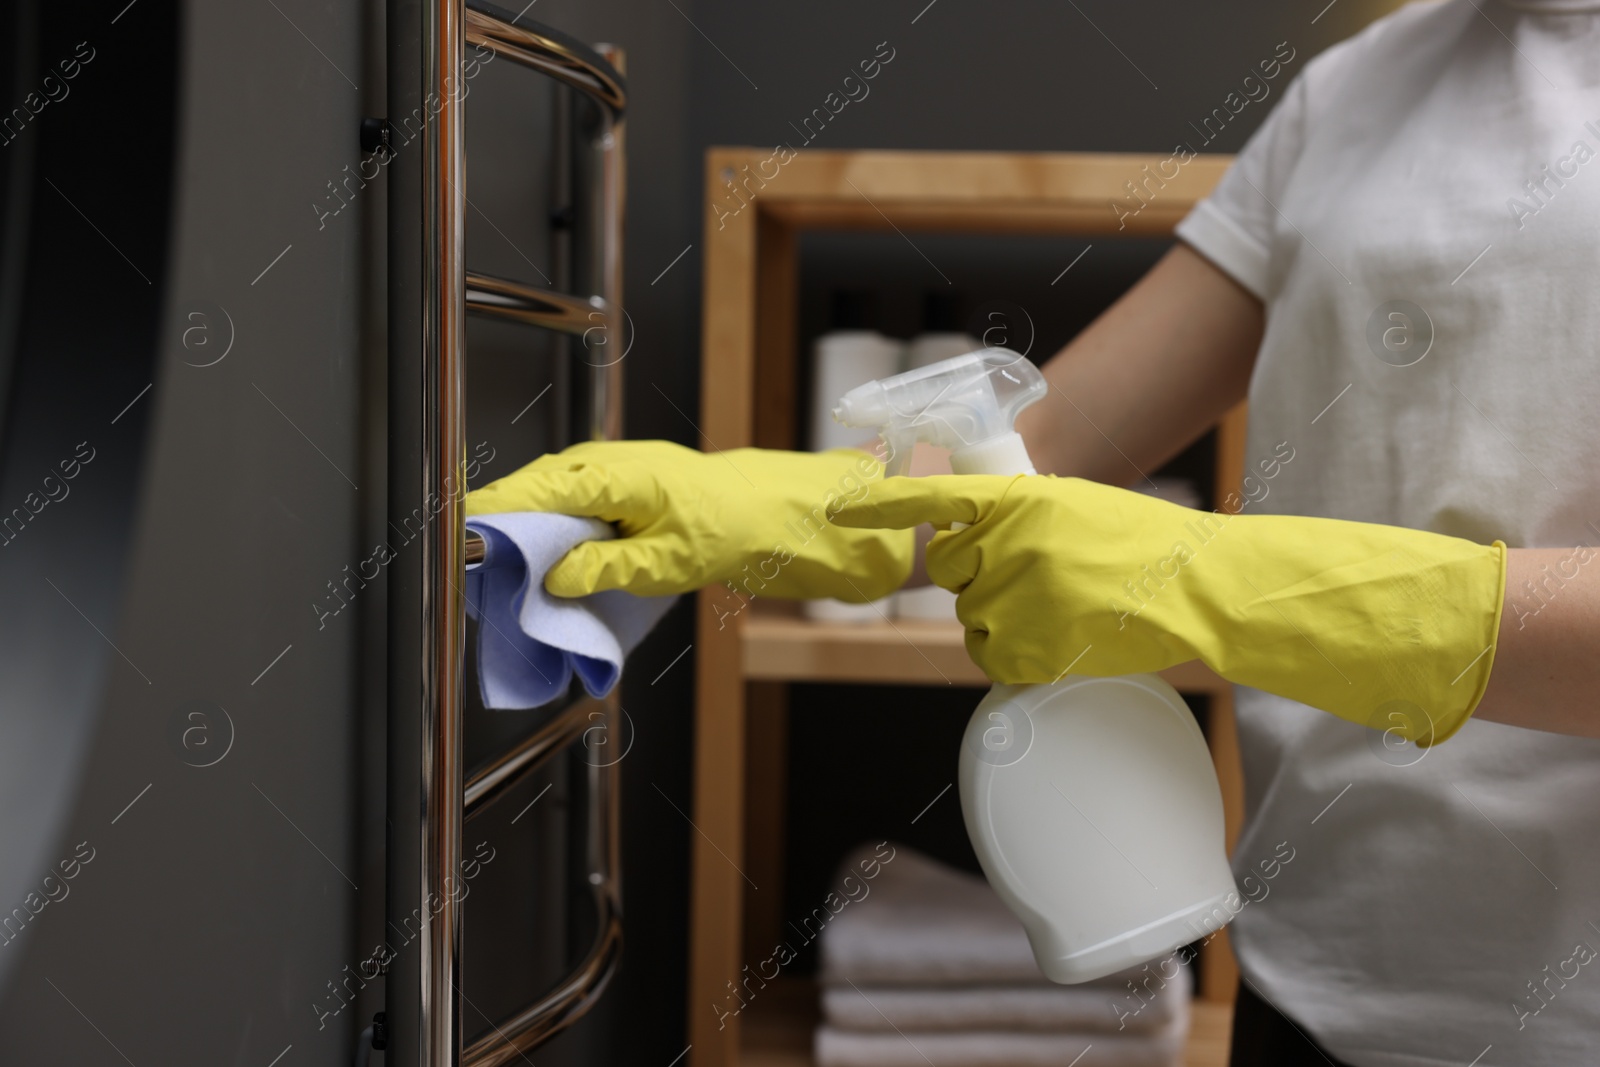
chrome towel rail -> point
(549, 52)
(427, 453)
(532, 306)
(576, 993)
(429, 293)
(491, 781)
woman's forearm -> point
(1150, 375)
(1546, 672)
(1169, 358)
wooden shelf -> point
(958, 192)
(779, 1023)
(782, 648)
(751, 364)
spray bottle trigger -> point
(898, 444)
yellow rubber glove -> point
(756, 518)
(1372, 623)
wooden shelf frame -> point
(790, 648)
(749, 371)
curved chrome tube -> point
(578, 991)
(549, 52)
(562, 1006)
(502, 298)
(489, 783)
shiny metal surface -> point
(577, 993)
(607, 395)
(427, 467)
(505, 299)
(474, 549)
(429, 296)
(490, 782)
(549, 52)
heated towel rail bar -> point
(532, 306)
(430, 291)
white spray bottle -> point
(1092, 803)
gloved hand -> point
(1060, 574)
(756, 518)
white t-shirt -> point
(1427, 894)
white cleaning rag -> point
(530, 643)
(844, 1048)
(1099, 1007)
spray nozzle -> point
(967, 404)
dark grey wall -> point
(1019, 76)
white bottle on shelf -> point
(850, 354)
(942, 338)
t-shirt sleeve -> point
(1233, 226)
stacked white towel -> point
(931, 967)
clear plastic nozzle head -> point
(968, 404)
